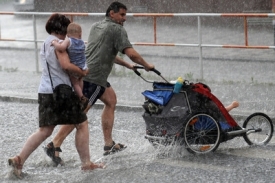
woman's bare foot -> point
(92, 166)
(15, 162)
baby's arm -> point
(61, 46)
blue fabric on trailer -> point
(206, 123)
(162, 93)
(160, 97)
(225, 125)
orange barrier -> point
(158, 15)
(155, 16)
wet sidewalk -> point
(253, 97)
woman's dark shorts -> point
(49, 114)
(93, 91)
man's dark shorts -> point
(93, 91)
(49, 114)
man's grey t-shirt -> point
(106, 39)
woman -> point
(49, 114)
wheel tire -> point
(202, 134)
(258, 121)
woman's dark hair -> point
(58, 24)
(115, 6)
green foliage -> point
(189, 76)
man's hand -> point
(132, 67)
(149, 67)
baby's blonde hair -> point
(73, 28)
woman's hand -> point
(85, 72)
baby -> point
(75, 47)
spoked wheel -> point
(202, 134)
(259, 129)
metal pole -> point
(200, 48)
(155, 30)
(273, 22)
(245, 32)
(35, 43)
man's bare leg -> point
(108, 114)
(61, 135)
(107, 120)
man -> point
(106, 39)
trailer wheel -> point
(202, 134)
(259, 129)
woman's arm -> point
(66, 65)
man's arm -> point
(121, 62)
(135, 57)
(66, 65)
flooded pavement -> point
(233, 161)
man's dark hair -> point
(115, 6)
(58, 24)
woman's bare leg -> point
(34, 141)
(30, 145)
(82, 146)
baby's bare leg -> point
(233, 105)
(77, 84)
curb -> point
(237, 116)
(17, 99)
(96, 105)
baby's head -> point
(74, 30)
